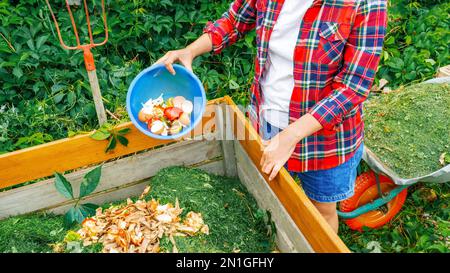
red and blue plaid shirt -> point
(335, 62)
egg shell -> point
(175, 128)
(187, 106)
(185, 119)
(178, 101)
(144, 116)
(157, 127)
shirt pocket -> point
(332, 39)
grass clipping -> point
(409, 129)
(138, 226)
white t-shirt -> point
(277, 82)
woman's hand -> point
(279, 149)
(186, 55)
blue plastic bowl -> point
(153, 81)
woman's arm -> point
(232, 26)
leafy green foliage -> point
(45, 94)
(45, 89)
(63, 186)
(90, 181)
(79, 212)
(108, 132)
(417, 41)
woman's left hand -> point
(277, 151)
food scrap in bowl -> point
(166, 117)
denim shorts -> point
(330, 185)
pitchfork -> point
(88, 57)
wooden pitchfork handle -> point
(95, 88)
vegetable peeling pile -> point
(409, 129)
(139, 226)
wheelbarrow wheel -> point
(365, 192)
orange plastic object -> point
(88, 57)
(366, 191)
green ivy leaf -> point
(88, 209)
(63, 186)
(58, 97)
(72, 216)
(71, 98)
(123, 140)
(395, 63)
(100, 134)
(124, 131)
(17, 71)
(69, 218)
(112, 144)
(233, 85)
(90, 181)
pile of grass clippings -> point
(409, 129)
(236, 224)
(31, 233)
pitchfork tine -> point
(88, 21)
(73, 23)
(105, 24)
(57, 28)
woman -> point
(315, 64)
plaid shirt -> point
(335, 62)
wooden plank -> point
(79, 151)
(225, 134)
(114, 174)
(288, 236)
(308, 219)
(133, 189)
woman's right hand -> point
(184, 56)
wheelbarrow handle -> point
(372, 205)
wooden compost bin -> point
(216, 146)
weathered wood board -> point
(79, 151)
(289, 238)
(307, 218)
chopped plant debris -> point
(30, 233)
(211, 203)
(409, 129)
